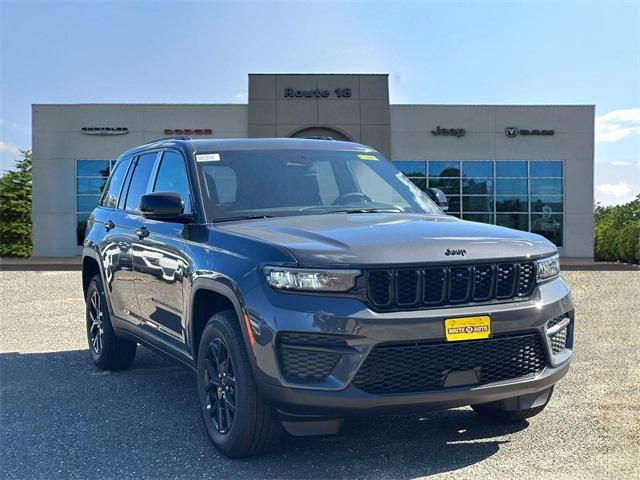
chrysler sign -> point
(104, 131)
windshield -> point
(275, 183)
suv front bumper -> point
(353, 401)
(363, 329)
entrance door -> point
(320, 132)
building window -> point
(522, 194)
(91, 177)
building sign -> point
(513, 132)
(451, 132)
(317, 93)
(188, 131)
(104, 131)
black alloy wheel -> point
(220, 386)
(96, 327)
(239, 421)
(107, 350)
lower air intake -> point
(420, 367)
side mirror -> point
(439, 198)
(163, 206)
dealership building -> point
(528, 167)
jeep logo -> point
(453, 132)
(461, 252)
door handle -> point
(142, 232)
(109, 225)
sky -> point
(473, 52)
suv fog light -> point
(548, 267)
(283, 278)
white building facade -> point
(526, 167)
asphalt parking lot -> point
(62, 418)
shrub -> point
(617, 232)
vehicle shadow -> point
(61, 418)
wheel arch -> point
(90, 268)
(208, 297)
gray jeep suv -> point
(306, 281)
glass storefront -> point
(523, 194)
(91, 176)
(526, 195)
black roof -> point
(212, 145)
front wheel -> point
(238, 420)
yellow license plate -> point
(467, 328)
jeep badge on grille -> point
(460, 252)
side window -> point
(140, 180)
(172, 177)
(114, 184)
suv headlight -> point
(310, 280)
(548, 267)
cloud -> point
(13, 126)
(241, 97)
(617, 190)
(9, 148)
(617, 125)
(620, 163)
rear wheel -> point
(107, 351)
(238, 420)
(505, 412)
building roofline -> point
(141, 104)
(492, 105)
(117, 104)
(318, 74)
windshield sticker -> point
(209, 157)
(368, 157)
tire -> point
(107, 351)
(238, 420)
(495, 413)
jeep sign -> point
(452, 132)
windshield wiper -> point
(364, 210)
(241, 217)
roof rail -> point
(172, 137)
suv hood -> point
(389, 238)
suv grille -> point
(424, 287)
(420, 367)
(301, 357)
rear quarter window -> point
(114, 184)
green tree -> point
(15, 209)
(617, 232)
